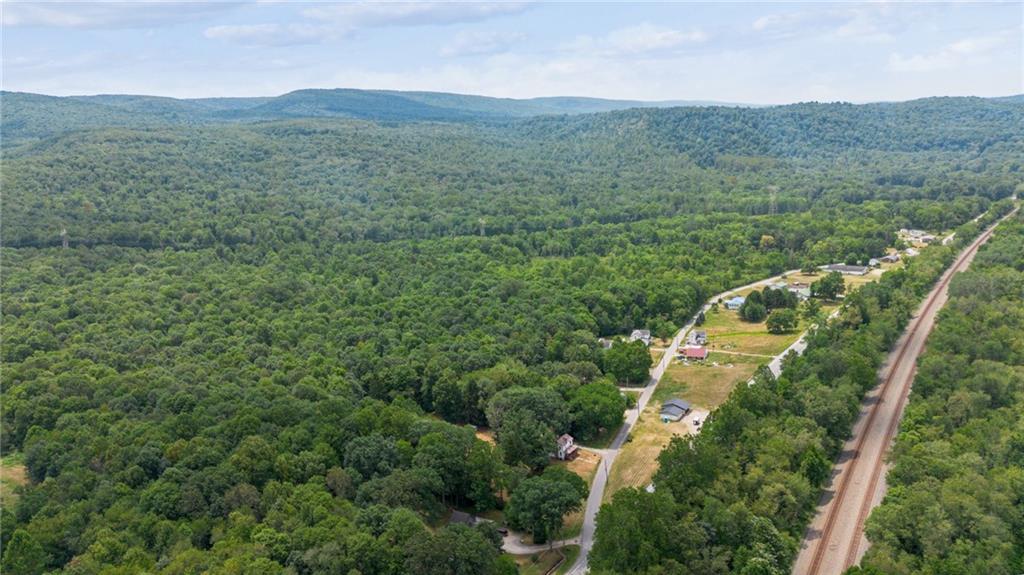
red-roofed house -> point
(695, 352)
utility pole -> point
(64, 237)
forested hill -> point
(254, 346)
(329, 179)
(28, 117)
(972, 124)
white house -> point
(643, 335)
(735, 303)
(566, 448)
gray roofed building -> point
(847, 269)
(463, 518)
(674, 410)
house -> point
(890, 259)
(917, 237)
(461, 517)
(735, 302)
(846, 269)
(800, 289)
(911, 252)
(874, 263)
(605, 343)
(674, 410)
(698, 337)
(778, 285)
(566, 447)
(643, 335)
(695, 352)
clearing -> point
(12, 475)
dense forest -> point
(958, 462)
(266, 344)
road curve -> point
(835, 539)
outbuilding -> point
(846, 269)
(674, 410)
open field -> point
(727, 332)
(706, 385)
(638, 459)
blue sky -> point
(759, 52)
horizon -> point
(750, 54)
(681, 102)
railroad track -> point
(835, 507)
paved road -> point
(835, 539)
(586, 538)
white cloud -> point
(270, 34)
(649, 38)
(953, 55)
(333, 21)
(476, 43)
(641, 39)
(107, 15)
(870, 22)
(383, 14)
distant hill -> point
(30, 117)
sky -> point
(744, 52)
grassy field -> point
(706, 385)
(727, 332)
(12, 474)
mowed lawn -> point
(706, 385)
(727, 332)
(638, 459)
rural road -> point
(586, 538)
(835, 539)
